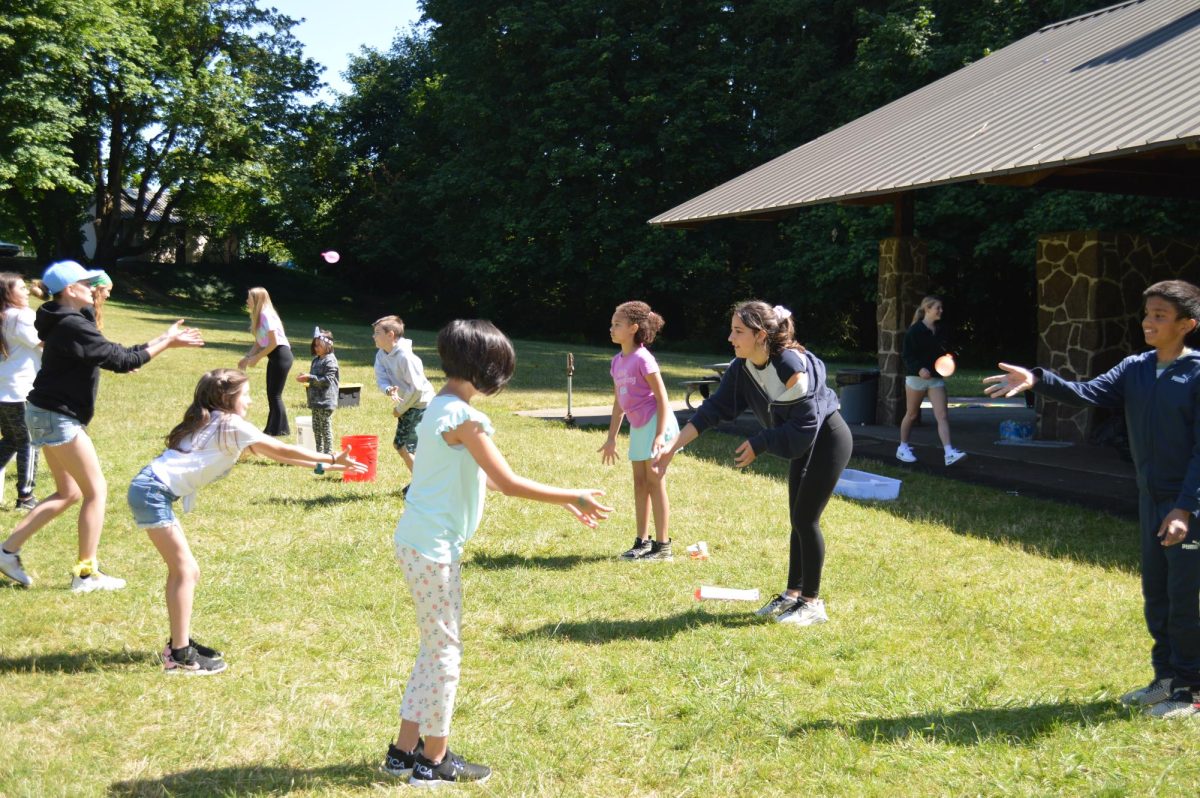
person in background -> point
(271, 343)
(923, 344)
(22, 357)
(321, 387)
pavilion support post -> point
(903, 281)
(1089, 295)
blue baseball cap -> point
(65, 272)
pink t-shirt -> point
(633, 392)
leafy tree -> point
(178, 102)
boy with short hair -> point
(1160, 392)
(401, 376)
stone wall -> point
(1090, 287)
(903, 281)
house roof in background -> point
(1106, 101)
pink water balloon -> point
(331, 256)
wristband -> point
(582, 501)
(320, 469)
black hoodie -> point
(74, 353)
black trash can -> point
(858, 390)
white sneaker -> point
(1153, 693)
(953, 456)
(97, 581)
(780, 604)
(806, 613)
(10, 566)
(904, 454)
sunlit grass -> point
(975, 647)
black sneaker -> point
(201, 649)
(404, 491)
(638, 550)
(659, 552)
(452, 768)
(26, 503)
(400, 763)
(188, 661)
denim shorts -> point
(48, 428)
(150, 501)
(922, 384)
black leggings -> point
(279, 363)
(811, 481)
(15, 441)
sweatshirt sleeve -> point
(724, 404)
(1107, 390)
(793, 438)
(91, 347)
(382, 378)
(1189, 492)
(909, 352)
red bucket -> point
(364, 449)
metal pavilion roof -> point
(1095, 102)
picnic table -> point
(702, 385)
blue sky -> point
(333, 29)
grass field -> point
(976, 646)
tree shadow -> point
(969, 508)
(1145, 43)
(1013, 725)
(607, 631)
(249, 780)
(501, 562)
(73, 661)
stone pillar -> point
(1089, 297)
(903, 281)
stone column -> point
(903, 281)
(1089, 293)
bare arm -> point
(288, 454)
(608, 452)
(582, 503)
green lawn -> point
(976, 646)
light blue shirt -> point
(445, 502)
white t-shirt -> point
(24, 355)
(207, 455)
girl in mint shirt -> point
(457, 463)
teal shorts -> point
(642, 438)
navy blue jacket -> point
(1160, 414)
(791, 423)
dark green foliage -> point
(504, 159)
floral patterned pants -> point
(437, 596)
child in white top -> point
(640, 395)
(22, 357)
(201, 449)
(458, 461)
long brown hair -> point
(217, 390)
(759, 316)
(8, 283)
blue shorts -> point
(642, 438)
(48, 428)
(922, 384)
(150, 501)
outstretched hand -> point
(348, 463)
(744, 455)
(608, 452)
(587, 508)
(1015, 380)
(178, 335)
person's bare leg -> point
(66, 493)
(182, 575)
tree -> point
(178, 102)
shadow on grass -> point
(1039, 526)
(602, 631)
(968, 727)
(73, 661)
(250, 780)
(312, 502)
(501, 562)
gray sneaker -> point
(781, 603)
(659, 552)
(1156, 692)
(638, 550)
(1180, 704)
(806, 612)
(10, 566)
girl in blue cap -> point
(61, 405)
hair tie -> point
(319, 335)
(781, 312)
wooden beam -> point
(904, 212)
